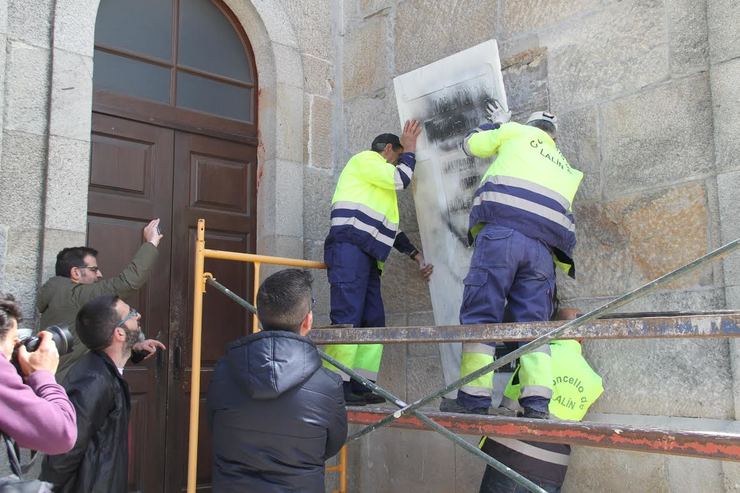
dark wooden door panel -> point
(215, 180)
(131, 183)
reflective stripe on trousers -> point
(476, 355)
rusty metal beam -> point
(702, 444)
(719, 324)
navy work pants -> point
(514, 274)
(355, 299)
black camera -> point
(61, 336)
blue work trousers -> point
(514, 274)
(354, 277)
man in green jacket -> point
(78, 280)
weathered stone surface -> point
(578, 140)
(525, 79)
(394, 461)
(318, 76)
(54, 241)
(367, 117)
(407, 212)
(21, 187)
(426, 30)
(627, 242)
(393, 375)
(659, 136)
(288, 65)
(278, 246)
(74, 25)
(29, 21)
(289, 198)
(23, 251)
(688, 34)
(314, 250)
(3, 254)
(726, 105)
(289, 112)
(731, 476)
(724, 36)
(27, 79)
(687, 475)
(530, 15)
(318, 190)
(661, 377)
(68, 167)
(619, 49)
(366, 58)
(423, 376)
(319, 142)
(371, 7)
(404, 290)
(266, 22)
(468, 468)
(728, 186)
(595, 469)
(71, 97)
(4, 16)
(311, 22)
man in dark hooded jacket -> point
(276, 415)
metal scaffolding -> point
(717, 445)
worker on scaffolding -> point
(576, 386)
(522, 225)
(364, 227)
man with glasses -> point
(109, 329)
(275, 413)
(79, 279)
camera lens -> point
(61, 336)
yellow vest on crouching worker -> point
(575, 385)
(529, 187)
(364, 209)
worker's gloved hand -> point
(495, 112)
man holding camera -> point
(37, 413)
(78, 280)
(98, 462)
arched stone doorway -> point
(279, 67)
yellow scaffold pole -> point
(199, 287)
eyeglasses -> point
(91, 268)
(132, 314)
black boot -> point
(350, 398)
(367, 394)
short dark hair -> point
(382, 140)
(545, 126)
(9, 309)
(72, 257)
(284, 299)
(96, 322)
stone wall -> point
(645, 92)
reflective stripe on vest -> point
(365, 219)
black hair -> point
(72, 257)
(284, 299)
(96, 322)
(382, 140)
(544, 125)
(9, 309)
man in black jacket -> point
(275, 413)
(98, 462)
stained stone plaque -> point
(448, 97)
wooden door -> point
(130, 183)
(215, 180)
(138, 172)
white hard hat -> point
(543, 115)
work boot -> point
(350, 398)
(534, 414)
(501, 411)
(367, 394)
(452, 406)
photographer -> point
(36, 414)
